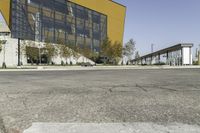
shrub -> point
(62, 63)
(71, 63)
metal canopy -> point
(169, 49)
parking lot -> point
(103, 96)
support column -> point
(167, 58)
(151, 60)
(159, 58)
(199, 57)
(182, 56)
(190, 56)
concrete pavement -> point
(112, 128)
(100, 96)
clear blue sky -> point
(162, 22)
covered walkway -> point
(180, 54)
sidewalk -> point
(111, 128)
(76, 68)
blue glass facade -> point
(58, 21)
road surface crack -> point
(141, 87)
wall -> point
(116, 15)
(10, 52)
(187, 56)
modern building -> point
(85, 23)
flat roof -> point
(168, 49)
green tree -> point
(115, 52)
(64, 51)
(2, 42)
(105, 48)
(1, 45)
(75, 52)
(30, 50)
(50, 51)
(112, 51)
(129, 49)
(137, 55)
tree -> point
(23, 46)
(129, 49)
(104, 48)
(30, 50)
(137, 55)
(50, 51)
(75, 50)
(1, 43)
(115, 52)
(64, 51)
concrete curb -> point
(76, 68)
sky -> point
(162, 23)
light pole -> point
(152, 47)
(199, 55)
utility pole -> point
(199, 55)
(152, 47)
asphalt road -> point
(158, 96)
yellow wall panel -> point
(116, 15)
(5, 9)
